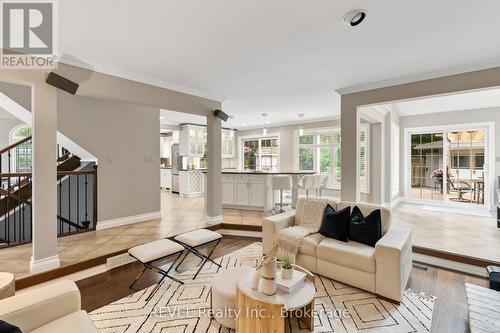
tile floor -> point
(178, 215)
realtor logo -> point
(28, 34)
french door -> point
(448, 165)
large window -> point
(261, 154)
(319, 151)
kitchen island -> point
(252, 190)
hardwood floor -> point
(450, 311)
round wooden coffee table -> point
(262, 313)
(7, 285)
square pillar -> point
(349, 132)
(44, 178)
(214, 170)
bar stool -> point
(281, 183)
(306, 183)
(324, 179)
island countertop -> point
(249, 172)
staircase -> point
(76, 194)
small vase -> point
(286, 273)
(269, 278)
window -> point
(21, 156)
(261, 154)
(460, 162)
(319, 151)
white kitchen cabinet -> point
(165, 146)
(256, 193)
(192, 140)
(228, 143)
(166, 178)
(246, 191)
(227, 192)
(241, 194)
(191, 183)
(168, 181)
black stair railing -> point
(76, 194)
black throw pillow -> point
(335, 224)
(366, 230)
(5, 327)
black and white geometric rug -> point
(184, 308)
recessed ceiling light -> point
(268, 121)
(300, 115)
(354, 17)
(243, 125)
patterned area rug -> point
(183, 308)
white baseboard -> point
(449, 264)
(101, 225)
(215, 219)
(394, 202)
(45, 264)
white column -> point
(44, 192)
(350, 151)
(214, 170)
(377, 172)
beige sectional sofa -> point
(50, 309)
(383, 269)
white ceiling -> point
(281, 57)
(456, 102)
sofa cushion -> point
(5, 327)
(352, 254)
(309, 243)
(336, 223)
(76, 322)
(366, 209)
(365, 229)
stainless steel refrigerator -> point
(176, 159)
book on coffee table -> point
(289, 285)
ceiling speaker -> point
(62, 83)
(221, 115)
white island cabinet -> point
(247, 191)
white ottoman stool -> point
(193, 239)
(153, 251)
(7, 285)
(223, 296)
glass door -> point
(427, 165)
(449, 166)
(466, 166)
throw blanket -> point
(308, 217)
(290, 239)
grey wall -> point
(125, 138)
(451, 118)
(20, 94)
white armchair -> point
(49, 309)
